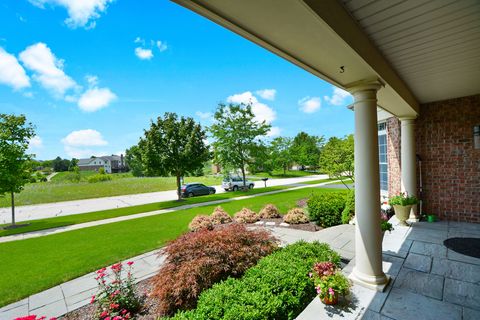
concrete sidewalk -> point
(50, 210)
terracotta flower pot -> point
(330, 300)
(402, 213)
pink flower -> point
(124, 311)
(114, 305)
(103, 314)
(331, 291)
(107, 318)
(310, 274)
(117, 318)
(92, 300)
(130, 263)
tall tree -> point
(133, 159)
(15, 134)
(281, 153)
(237, 135)
(337, 158)
(306, 149)
(173, 146)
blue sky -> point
(91, 74)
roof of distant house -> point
(87, 161)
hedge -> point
(278, 287)
(326, 208)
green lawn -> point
(61, 257)
(279, 174)
(46, 192)
(42, 224)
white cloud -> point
(162, 46)
(267, 94)
(309, 104)
(95, 99)
(139, 40)
(203, 115)
(84, 138)
(11, 72)
(81, 13)
(262, 111)
(48, 70)
(274, 132)
(338, 97)
(143, 54)
(92, 80)
(35, 142)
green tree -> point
(261, 158)
(173, 146)
(60, 165)
(73, 164)
(133, 159)
(305, 149)
(281, 154)
(15, 134)
(337, 158)
(236, 135)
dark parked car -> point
(196, 189)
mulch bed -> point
(148, 313)
(310, 226)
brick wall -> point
(450, 164)
(393, 156)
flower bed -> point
(197, 260)
(279, 287)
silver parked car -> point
(235, 183)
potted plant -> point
(384, 224)
(402, 204)
(329, 282)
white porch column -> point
(368, 240)
(409, 161)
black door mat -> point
(467, 246)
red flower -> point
(107, 318)
(92, 300)
(114, 305)
(124, 311)
(103, 314)
(130, 263)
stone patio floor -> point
(429, 281)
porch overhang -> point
(318, 36)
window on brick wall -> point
(382, 155)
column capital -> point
(364, 85)
(407, 119)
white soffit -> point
(305, 33)
(433, 45)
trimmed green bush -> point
(278, 287)
(99, 178)
(326, 208)
(349, 211)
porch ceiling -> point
(421, 50)
(433, 45)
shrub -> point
(117, 299)
(278, 287)
(329, 281)
(99, 178)
(220, 216)
(326, 208)
(245, 216)
(269, 212)
(295, 216)
(349, 211)
(403, 199)
(196, 261)
(101, 171)
(200, 222)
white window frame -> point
(383, 131)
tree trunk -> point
(13, 208)
(179, 187)
(284, 170)
(244, 179)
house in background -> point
(111, 164)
